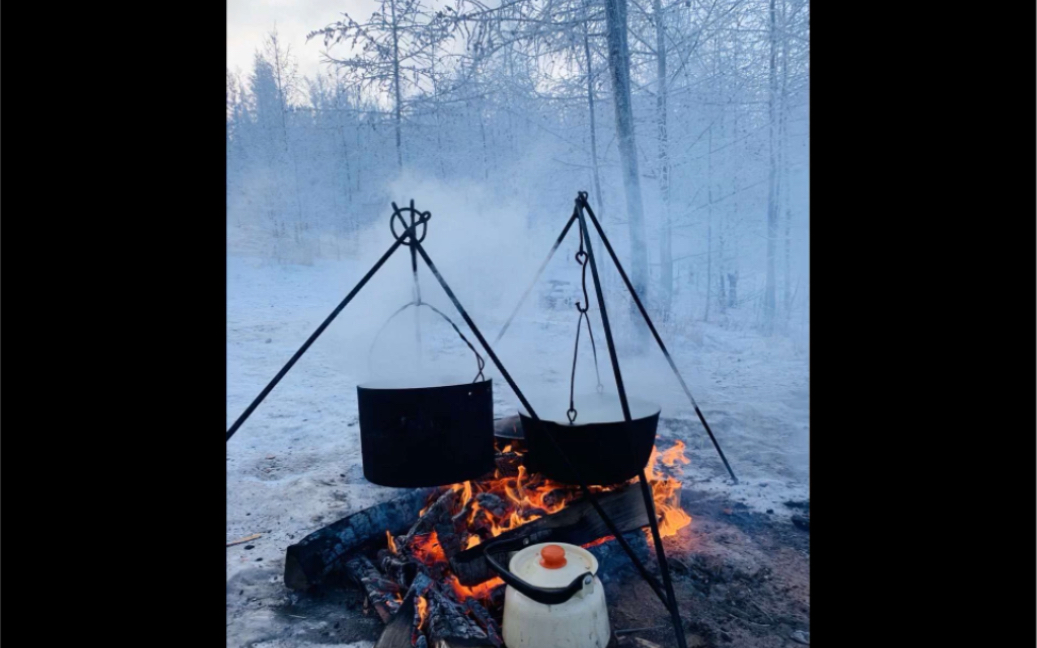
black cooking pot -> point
(600, 444)
(414, 435)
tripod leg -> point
(660, 553)
(655, 334)
(320, 329)
(646, 491)
(613, 529)
(525, 295)
(417, 286)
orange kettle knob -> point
(552, 557)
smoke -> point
(481, 245)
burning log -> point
(613, 561)
(401, 571)
(449, 538)
(449, 622)
(492, 503)
(508, 464)
(482, 616)
(314, 558)
(576, 524)
(381, 592)
(435, 514)
(428, 618)
(402, 630)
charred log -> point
(400, 570)
(449, 538)
(613, 561)
(381, 592)
(397, 633)
(311, 560)
(492, 503)
(508, 464)
(437, 513)
(482, 616)
(449, 622)
(402, 629)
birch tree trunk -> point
(600, 206)
(769, 298)
(784, 119)
(619, 67)
(396, 84)
(709, 221)
(665, 241)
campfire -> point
(432, 585)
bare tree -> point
(390, 49)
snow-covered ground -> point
(295, 466)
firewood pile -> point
(420, 561)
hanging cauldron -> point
(600, 444)
(416, 433)
(426, 436)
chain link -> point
(581, 258)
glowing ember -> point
(481, 591)
(392, 543)
(427, 549)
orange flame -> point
(422, 606)
(666, 490)
(490, 507)
(426, 548)
(481, 591)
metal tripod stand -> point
(410, 238)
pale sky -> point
(249, 21)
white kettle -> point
(553, 598)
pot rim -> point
(653, 409)
(393, 384)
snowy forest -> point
(686, 121)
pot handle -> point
(545, 595)
(480, 362)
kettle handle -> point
(545, 595)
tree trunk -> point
(619, 66)
(396, 84)
(485, 148)
(600, 207)
(786, 194)
(709, 220)
(665, 240)
(772, 185)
